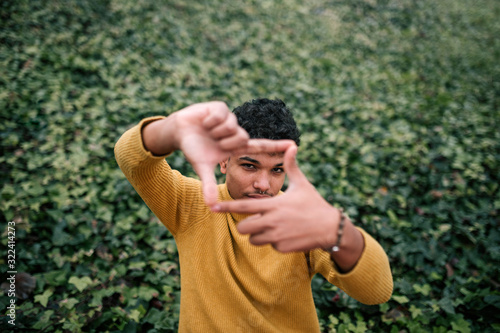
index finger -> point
(255, 146)
(245, 206)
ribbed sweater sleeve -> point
(164, 190)
(369, 282)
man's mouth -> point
(258, 196)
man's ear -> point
(223, 166)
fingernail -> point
(215, 208)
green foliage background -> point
(398, 102)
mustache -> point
(259, 193)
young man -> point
(228, 284)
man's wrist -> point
(340, 233)
(351, 247)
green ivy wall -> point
(398, 102)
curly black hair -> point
(267, 119)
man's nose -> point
(262, 183)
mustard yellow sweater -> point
(228, 284)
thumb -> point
(209, 184)
(292, 169)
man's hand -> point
(298, 220)
(207, 133)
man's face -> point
(254, 176)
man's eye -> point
(278, 170)
(248, 166)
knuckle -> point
(254, 240)
(274, 236)
(275, 224)
(230, 143)
(280, 247)
(244, 134)
(243, 206)
(230, 128)
(224, 145)
(217, 117)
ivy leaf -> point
(400, 299)
(44, 298)
(44, 320)
(55, 278)
(135, 315)
(69, 303)
(80, 283)
(422, 289)
(461, 325)
(415, 312)
(447, 305)
(493, 300)
(147, 293)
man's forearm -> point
(159, 137)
